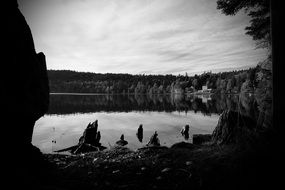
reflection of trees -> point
(242, 121)
(243, 103)
(64, 104)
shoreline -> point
(145, 168)
(164, 94)
(126, 94)
(184, 165)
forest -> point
(66, 81)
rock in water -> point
(154, 141)
(122, 141)
(234, 127)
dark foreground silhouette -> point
(26, 98)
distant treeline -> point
(86, 82)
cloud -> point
(139, 36)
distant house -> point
(206, 89)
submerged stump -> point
(185, 132)
(122, 141)
(139, 133)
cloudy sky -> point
(140, 36)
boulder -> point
(234, 127)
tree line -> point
(66, 81)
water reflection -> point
(135, 116)
(206, 104)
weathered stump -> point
(140, 133)
(88, 142)
(154, 141)
(185, 132)
(122, 141)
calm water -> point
(69, 114)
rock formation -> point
(234, 127)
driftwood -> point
(88, 142)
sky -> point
(140, 36)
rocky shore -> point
(182, 166)
(153, 167)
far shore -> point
(87, 93)
(140, 94)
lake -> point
(69, 115)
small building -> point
(206, 89)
